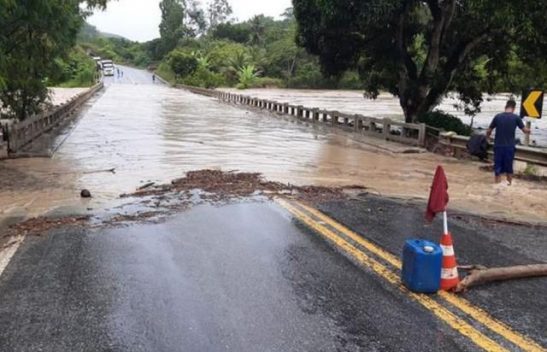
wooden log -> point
(481, 275)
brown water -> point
(153, 133)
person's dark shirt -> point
(505, 125)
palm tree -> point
(258, 29)
(247, 76)
(232, 66)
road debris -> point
(146, 185)
(479, 274)
(112, 170)
(41, 225)
(218, 185)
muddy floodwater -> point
(388, 106)
(151, 133)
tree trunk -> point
(414, 103)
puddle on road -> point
(152, 133)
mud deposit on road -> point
(40, 226)
(219, 186)
(153, 203)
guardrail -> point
(407, 133)
(24, 132)
(458, 146)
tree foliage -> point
(219, 11)
(263, 42)
(33, 34)
(195, 18)
(172, 27)
(182, 64)
(420, 50)
(247, 76)
(237, 32)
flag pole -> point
(445, 222)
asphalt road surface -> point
(249, 276)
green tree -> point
(420, 50)
(218, 11)
(257, 28)
(195, 17)
(182, 64)
(239, 33)
(172, 27)
(33, 34)
(285, 55)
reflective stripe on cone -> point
(449, 272)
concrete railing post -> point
(357, 123)
(387, 128)
(335, 115)
(421, 134)
(315, 113)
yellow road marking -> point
(444, 314)
(464, 305)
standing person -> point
(154, 78)
(505, 125)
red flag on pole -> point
(438, 198)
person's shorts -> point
(503, 160)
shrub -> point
(440, 119)
(75, 70)
(268, 82)
(203, 77)
(182, 64)
(165, 72)
(247, 77)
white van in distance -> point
(108, 67)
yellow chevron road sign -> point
(532, 104)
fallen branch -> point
(480, 274)
(113, 170)
(149, 184)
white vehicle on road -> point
(108, 67)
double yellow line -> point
(328, 228)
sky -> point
(139, 19)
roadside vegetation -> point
(36, 40)
(77, 69)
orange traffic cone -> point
(449, 272)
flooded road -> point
(388, 106)
(149, 132)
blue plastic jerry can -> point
(422, 261)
